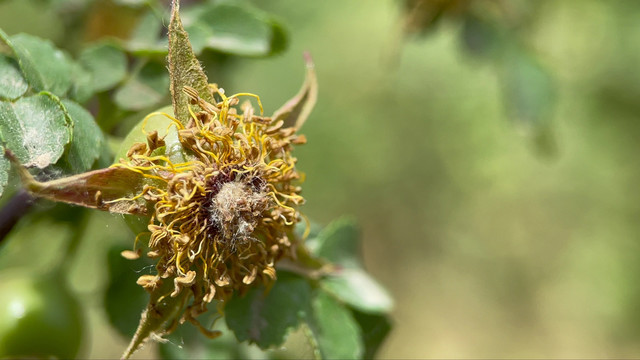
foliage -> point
(491, 31)
(62, 115)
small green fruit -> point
(39, 317)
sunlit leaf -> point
(336, 333)
(264, 317)
(35, 128)
(87, 138)
(239, 29)
(339, 243)
(145, 38)
(106, 63)
(12, 83)
(358, 289)
(146, 87)
(43, 65)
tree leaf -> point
(145, 88)
(35, 128)
(82, 86)
(184, 68)
(44, 66)
(12, 84)
(145, 38)
(264, 317)
(240, 29)
(124, 300)
(87, 138)
(186, 342)
(5, 167)
(480, 37)
(358, 289)
(296, 111)
(336, 333)
(279, 37)
(374, 329)
(339, 243)
(106, 63)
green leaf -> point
(82, 86)
(106, 63)
(146, 87)
(279, 37)
(44, 66)
(5, 167)
(335, 331)
(145, 38)
(374, 329)
(184, 68)
(87, 138)
(35, 128)
(481, 37)
(12, 84)
(239, 29)
(124, 300)
(186, 342)
(264, 317)
(339, 243)
(358, 289)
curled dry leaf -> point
(296, 111)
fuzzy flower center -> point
(235, 211)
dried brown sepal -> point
(112, 189)
(130, 254)
(149, 282)
(296, 111)
(157, 319)
(184, 68)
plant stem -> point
(17, 207)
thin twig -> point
(17, 207)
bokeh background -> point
(490, 245)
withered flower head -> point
(221, 190)
(220, 217)
(218, 183)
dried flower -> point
(222, 194)
(220, 218)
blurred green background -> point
(489, 247)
